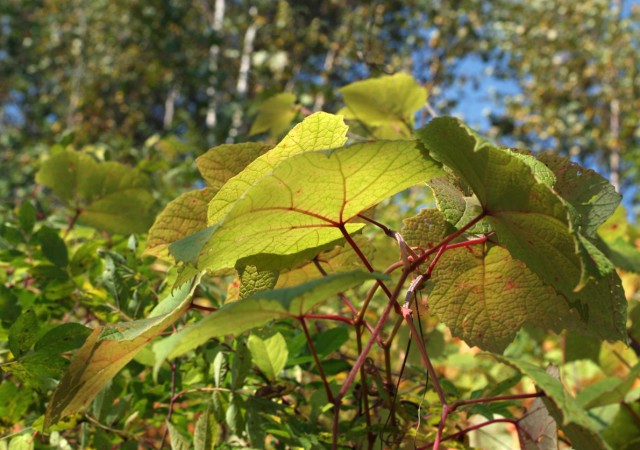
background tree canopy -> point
(137, 136)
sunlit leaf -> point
(256, 310)
(386, 101)
(319, 131)
(485, 296)
(107, 350)
(593, 198)
(268, 353)
(275, 114)
(533, 223)
(283, 214)
(426, 229)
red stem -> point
(329, 317)
(72, 222)
(312, 347)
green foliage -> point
(282, 304)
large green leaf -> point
(109, 196)
(485, 296)
(388, 101)
(566, 411)
(319, 131)
(257, 310)
(305, 201)
(532, 222)
(107, 350)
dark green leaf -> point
(53, 247)
(23, 333)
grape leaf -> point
(340, 258)
(283, 214)
(384, 102)
(275, 114)
(319, 131)
(533, 223)
(108, 196)
(485, 296)
(459, 209)
(107, 350)
(256, 310)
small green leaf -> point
(253, 280)
(234, 416)
(206, 434)
(40, 370)
(53, 247)
(27, 216)
(178, 441)
(269, 354)
(63, 338)
(240, 365)
(257, 310)
(624, 432)
(106, 195)
(609, 390)
(23, 333)
(388, 101)
(220, 368)
(426, 229)
(275, 115)
(593, 198)
(107, 350)
(22, 442)
(9, 306)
